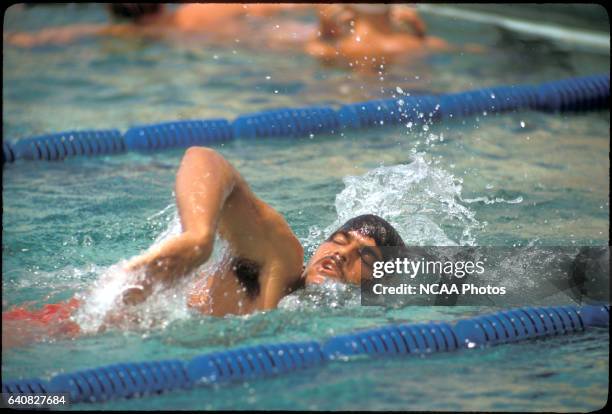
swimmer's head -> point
(355, 244)
(135, 12)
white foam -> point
(416, 198)
(166, 305)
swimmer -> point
(266, 262)
(267, 257)
(155, 19)
(374, 32)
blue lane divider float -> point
(575, 94)
(62, 145)
(286, 122)
(131, 380)
(8, 154)
(416, 109)
(179, 134)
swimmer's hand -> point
(167, 263)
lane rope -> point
(138, 379)
(580, 94)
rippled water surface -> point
(517, 179)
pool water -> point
(518, 179)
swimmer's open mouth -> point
(330, 266)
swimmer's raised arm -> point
(203, 182)
(212, 196)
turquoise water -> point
(517, 179)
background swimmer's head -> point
(357, 242)
(135, 12)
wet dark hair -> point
(374, 227)
(134, 11)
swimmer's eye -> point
(340, 238)
(368, 256)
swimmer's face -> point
(343, 257)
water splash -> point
(420, 200)
(328, 295)
(492, 200)
(103, 305)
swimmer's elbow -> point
(207, 156)
(201, 152)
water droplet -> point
(268, 77)
(522, 124)
(399, 90)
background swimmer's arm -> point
(63, 35)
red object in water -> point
(49, 313)
(21, 325)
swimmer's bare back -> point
(212, 196)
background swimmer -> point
(366, 35)
(155, 19)
(362, 35)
